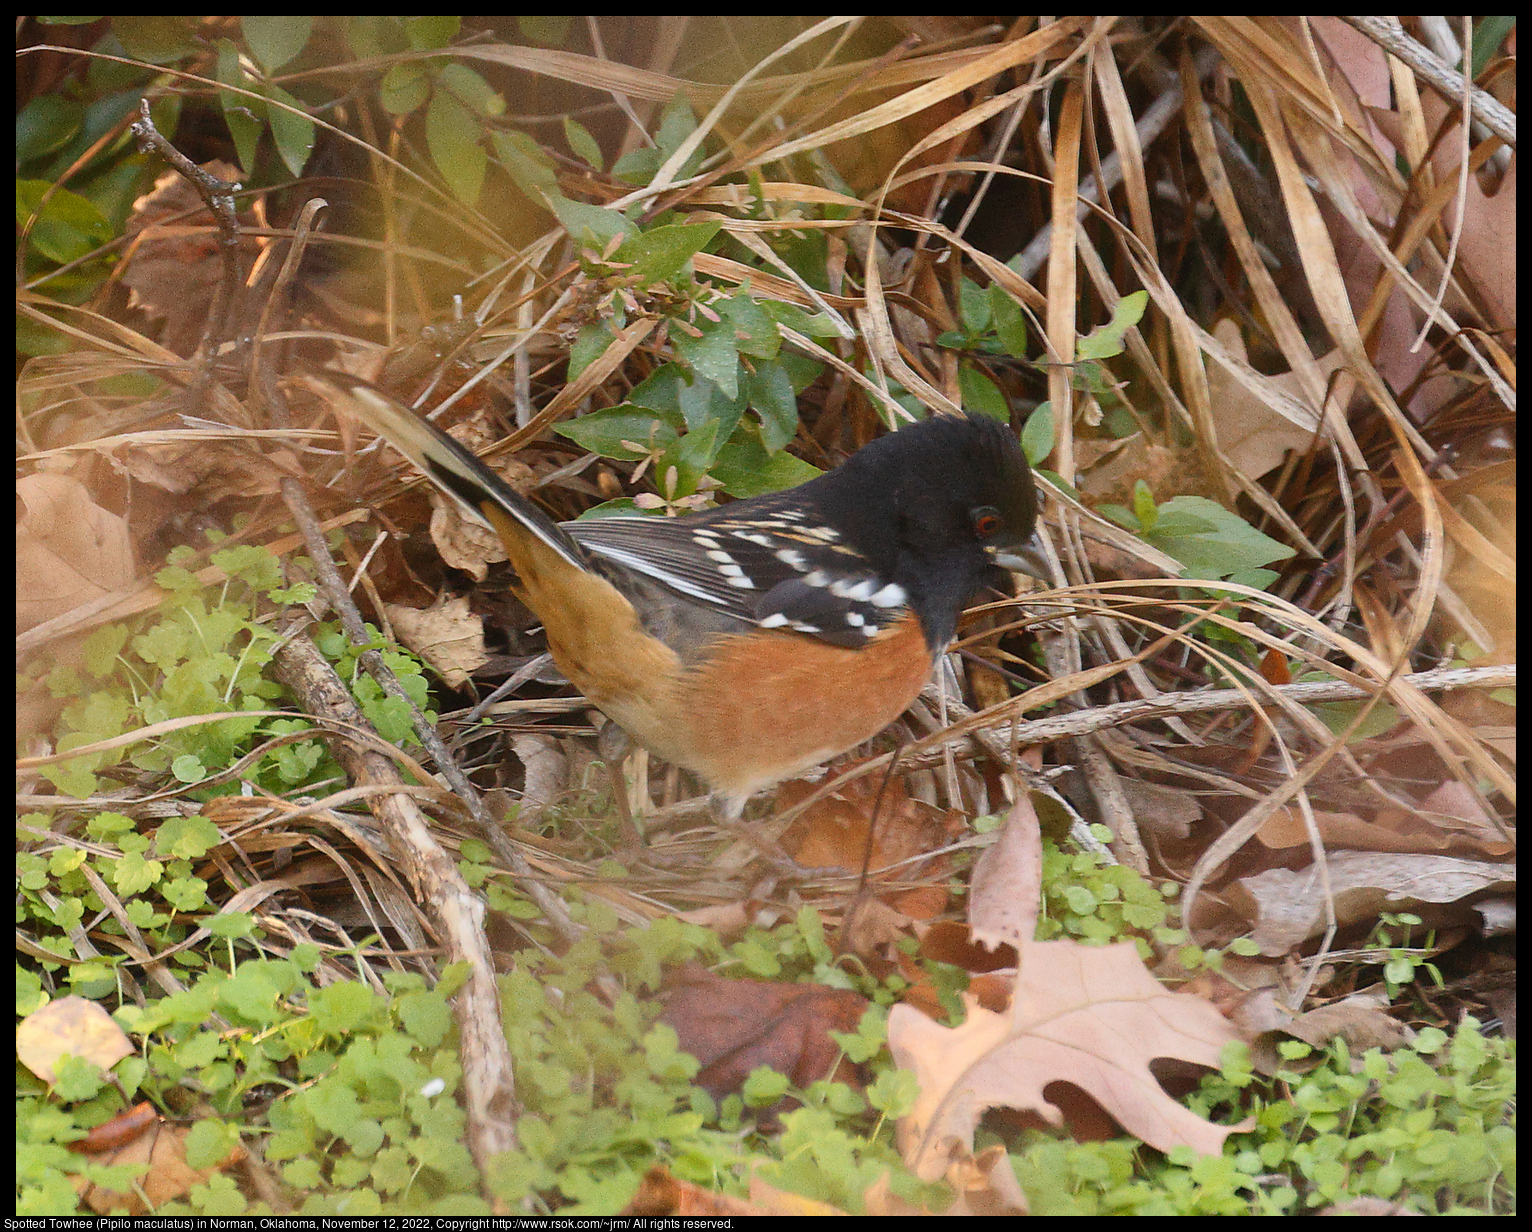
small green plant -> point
(1204, 536)
(206, 651)
(993, 324)
(1087, 899)
(1430, 1127)
(1403, 963)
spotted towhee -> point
(751, 642)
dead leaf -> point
(1391, 830)
(874, 930)
(1007, 881)
(166, 1176)
(1252, 435)
(1286, 907)
(1121, 464)
(1164, 812)
(1367, 1207)
(1089, 1016)
(115, 1134)
(448, 636)
(833, 833)
(1361, 1020)
(69, 550)
(735, 1026)
(770, 1200)
(661, 1194)
(70, 1025)
(465, 543)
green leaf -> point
(745, 468)
(604, 431)
(239, 114)
(755, 330)
(714, 356)
(662, 252)
(973, 306)
(405, 87)
(157, 39)
(452, 133)
(1338, 716)
(1120, 514)
(588, 345)
(591, 224)
(1037, 434)
(764, 1086)
(1144, 508)
(370, 36)
(68, 227)
(622, 507)
(1105, 341)
(770, 393)
(292, 130)
(703, 402)
(274, 41)
(810, 325)
(1009, 321)
(981, 394)
(691, 456)
(46, 124)
(549, 31)
(661, 390)
(470, 89)
(582, 143)
(679, 121)
(526, 163)
(431, 33)
(1209, 540)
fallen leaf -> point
(661, 1194)
(1089, 1016)
(1253, 435)
(448, 636)
(833, 833)
(174, 269)
(69, 550)
(735, 1026)
(166, 1175)
(70, 1025)
(1006, 886)
(1286, 906)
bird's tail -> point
(481, 493)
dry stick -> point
(339, 598)
(219, 197)
(489, 1085)
(1388, 34)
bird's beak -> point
(1028, 558)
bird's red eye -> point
(986, 521)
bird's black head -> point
(928, 505)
